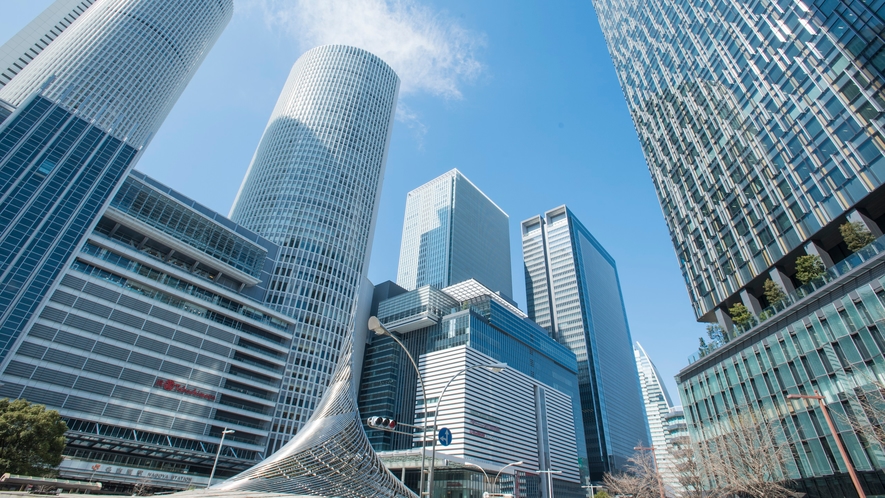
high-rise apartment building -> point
(762, 126)
(154, 340)
(573, 292)
(453, 232)
(75, 120)
(21, 49)
(658, 407)
(530, 413)
(313, 188)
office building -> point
(762, 127)
(573, 292)
(535, 398)
(153, 341)
(658, 407)
(453, 232)
(21, 49)
(313, 188)
(69, 137)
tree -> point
(749, 458)
(602, 494)
(856, 235)
(809, 267)
(31, 438)
(688, 467)
(716, 334)
(740, 314)
(773, 292)
(641, 479)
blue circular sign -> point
(445, 436)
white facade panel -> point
(499, 418)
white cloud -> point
(429, 51)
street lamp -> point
(494, 368)
(592, 488)
(488, 482)
(549, 480)
(375, 326)
(823, 407)
(225, 432)
(657, 470)
(502, 470)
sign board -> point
(445, 436)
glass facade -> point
(313, 189)
(186, 225)
(147, 357)
(573, 292)
(56, 172)
(21, 49)
(761, 123)
(834, 344)
(73, 136)
(452, 232)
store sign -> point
(171, 385)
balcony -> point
(839, 269)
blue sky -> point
(520, 96)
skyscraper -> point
(761, 123)
(21, 49)
(658, 407)
(313, 188)
(582, 308)
(762, 134)
(76, 119)
(453, 232)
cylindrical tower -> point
(126, 60)
(313, 188)
(80, 114)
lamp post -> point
(654, 458)
(379, 329)
(494, 368)
(488, 482)
(549, 480)
(823, 407)
(502, 470)
(225, 432)
(592, 488)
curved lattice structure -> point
(330, 456)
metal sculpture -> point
(330, 455)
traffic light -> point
(383, 423)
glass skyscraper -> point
(313, 188)
(73, 122)
(762, 126)
(453, 232)
(658, 407)
(761, 123)
(573, 292)
(27, 44)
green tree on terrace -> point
(31, 438)
(809, 267)
(773, 292)
(740, 314)
(856, 235)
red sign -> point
(171, 385)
